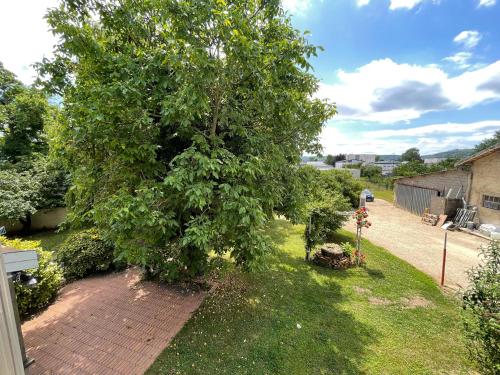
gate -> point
(413, 198)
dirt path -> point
(111, 324)
(404, 235)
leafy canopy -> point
(185, 123)
(488, 142)
(23, 112)
(412, 155)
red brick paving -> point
(112, 324)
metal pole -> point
(26, 360)
(444, 258)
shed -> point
(484, 192)
(417, 193)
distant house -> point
(387, 166)
(475, 181)
(364, 158)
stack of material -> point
(430, 219)
(331, 255)
(463, 216)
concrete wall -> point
(43, 219)
(486, 181)
(457, 180)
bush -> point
(325, 218)
(48, 274)
(481, 305)
(85, 253)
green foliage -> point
(48, 275)
(183, 121)
(481, 304)
(329, 196)
(332, 159)
(411, 155)
(23, 113)
(410, 169)
(19, 195)
(348, 249)
(414, 168)
(488, 142)
(371, 172)
(29, 186)
(84, 253)
(353, 165)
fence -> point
(413, 198)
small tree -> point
(412, 154)
(481, 305)
(19, 196)
(361, 217)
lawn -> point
(297, 318)
(381, 192)
(49, 239)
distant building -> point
(433, 160)
(364, 158)
(322, 166)
(387, 166)
(342, 163)
(475, 181)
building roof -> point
(479, 155)
(427, 174)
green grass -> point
(49, 239)
(381, 192)
(249, 324)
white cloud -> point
(468, 38)
(429, 138)
(296, 6)
(387, 92)
(436, 129)
(361, 3)
(461, 59)
(404, 4)
(486, 3)
(25, 35)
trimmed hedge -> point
(48, 274)
(85, 253)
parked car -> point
(369, 196)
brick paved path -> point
(111, 324)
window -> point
(489, 201)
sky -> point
(403, 73)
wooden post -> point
(443, 268)
(11, 361)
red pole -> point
(444, 258)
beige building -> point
(484, 184)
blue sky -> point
(404, 73)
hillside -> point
(455, 154)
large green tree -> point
(185, 124)
(412, 155)
(23, 112)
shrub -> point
(85, 253)
(481, 305)
(325, 217)
(48, 275)
(348, 249)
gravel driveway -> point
(404, 235)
